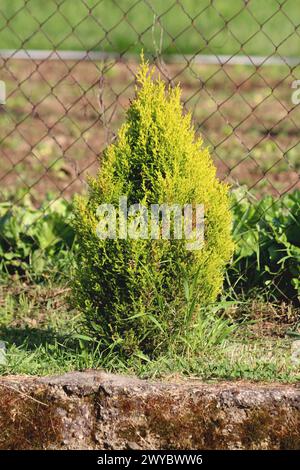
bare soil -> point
(59, 116)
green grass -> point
(43, 336)
(237, 338)
(227, 26)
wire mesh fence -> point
(69, 68)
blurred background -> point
(69, 72)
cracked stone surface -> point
(97, 410)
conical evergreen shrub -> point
(133, 292)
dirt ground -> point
(59, 116)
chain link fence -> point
(69, 67)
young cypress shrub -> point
(133, 292)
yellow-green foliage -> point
(133, 292)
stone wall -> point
(96, 410)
